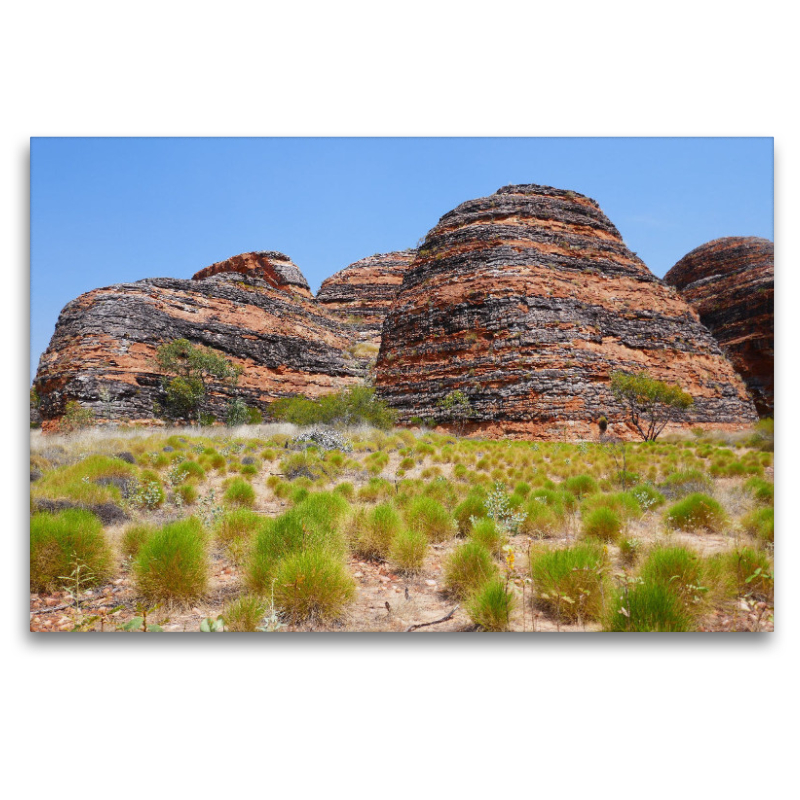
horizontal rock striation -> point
(102, 351)
(730, 283)
(526, 301)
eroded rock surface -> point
(102, 351)
(730, 283)
(275, 269)
(526, 301)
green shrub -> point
(602, 523)
(172, 563)
(313, 585)
(59, 540)
(685, 482)
(187, 494)
(763, 491)
(426, 515)
(408, 551)
(375, 491)
(749, 571)
(569, 584)
(473, 505)
(647, 607)
(468, 567)
(696, 511)
(490, 605)
(351, 406)
(238, 523)
(239, 493)
(486, 533)
(377, 530)
(244, 614)
(580, 485)
(647, 496)
(676, 568)
(134, 536)
(761, 524)
(346, 490)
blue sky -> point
(106, 211)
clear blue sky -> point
(106, 211)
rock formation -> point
(527, 301)
(730, 283)
(258, 312)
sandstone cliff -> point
(526, 301)
(260, 317)
(730, 283)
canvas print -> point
(401, 385)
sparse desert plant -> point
(685, 482)
(172, 563)
(644, 607)
(696, 511)
(313, 585)
(570, 583)
(468, 567)
(134, 536)
(602, 523)
(408, 551)
(647, 496)
(491, 604)
(244, 614)
(59, 540)
(375, 490)
(239, 493)
(425, 514)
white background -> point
(417, 716)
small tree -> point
(650, 404)
(456, 408)
(75, 418)
(186, 370)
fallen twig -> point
(435, 622)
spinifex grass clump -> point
(490, 606)
(580, 485)
(96, 479)
(431, 518)
(570, 584)
(646, 607)
(469, 566)
(763, 491)
(134, 536)
(375, 530)
(487, 533)
(244, 614)
(313, 585)
(239, 493)
(624, 504)
(172, 563)
(602, 523)
(236, 524)
(677, 569)
(408, 551)
(744, 571)
(694, 512)
(472, 506)
(647, 496)
(60, 540)
(761, 524)
(685, 482)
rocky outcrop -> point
(275, 269)
(526, 301)
(730, 283)
(102, 351)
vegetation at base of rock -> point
(172, 563)
(58, 541)
(356, 405)
(75, 418)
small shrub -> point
(486, 533)
(239, 493)
(749, 571)
(313, 585)
(133, 537)
(238, 523)
(473, 505)
(377, 531)
(678, 569)
(763, 491)
(425, 514)
(187, 493)
(580, 485)
(490, 605)
(244, 614)
(602, 523)
(408, 551)
(468, 567)
(647, 607)
(647, 496)
(761, 524)
(172, 563)
(696, 511)
(58, 540)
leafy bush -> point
(468, 567)
(570, 583)
(357, 404)
(696, 511)
(244, 614)
(239, 493)
(408, 551)
(59, 540)
(490, 605)
(313, 585)
(172, 563)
